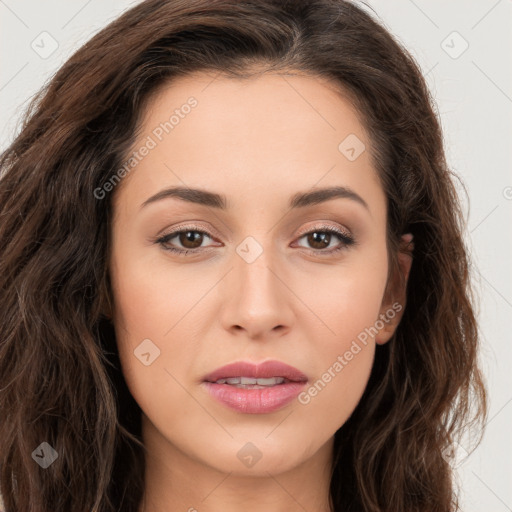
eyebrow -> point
(219, 201)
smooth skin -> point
(258, 142)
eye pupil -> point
(190, 237)
(320, 238)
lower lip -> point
(255, 401)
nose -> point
(256, 298)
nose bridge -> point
(255, 265)
(258, 298)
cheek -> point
(345, 299)
(154, 304)
(333, 395)
(343, 360)
(151, 297)
(348, 305)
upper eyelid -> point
(324, 225)
(191, 227)
(188, 227)
(318, 227)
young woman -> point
(232, 272)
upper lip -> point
(263, 370)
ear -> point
(393, 303)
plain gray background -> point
(464, 49)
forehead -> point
(251, 138)
(264, 106)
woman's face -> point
(264, 279)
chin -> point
(259, 456)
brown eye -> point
(319, 239)
(190, 239)
(185, 240)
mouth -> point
(255, 389)
(268, 373)
(252, 383)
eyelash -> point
(346, 239)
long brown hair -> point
(60, 378)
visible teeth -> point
(272, 381)
(248, 381)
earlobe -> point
(395, 297)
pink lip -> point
(256, 401)
(259, 371)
